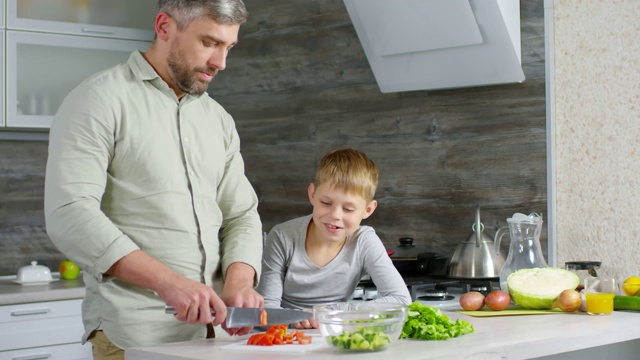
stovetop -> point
(424, 288)
(441, 292)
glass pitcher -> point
(525, 251)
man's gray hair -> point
(228, 12)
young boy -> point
(320, 258)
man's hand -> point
(191, 300)
(238, 292)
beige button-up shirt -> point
(131, 167)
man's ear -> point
(163, 25)
(370, 209)
(311, 191)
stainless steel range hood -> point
(439, 44)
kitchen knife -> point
(241, 317)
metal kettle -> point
(476, 257)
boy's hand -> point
(309, 323)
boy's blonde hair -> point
(349, 170)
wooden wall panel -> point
(298, 84)
(22, 234)
(440, 152)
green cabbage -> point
(538, 288)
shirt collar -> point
(144, 71)
(141, 67)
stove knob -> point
(370, 294)
(358, 293)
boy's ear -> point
(370, 209)
(311, 191)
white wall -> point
(596, 113)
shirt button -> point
(186, 139)
(191, 173)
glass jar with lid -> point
(584, 269)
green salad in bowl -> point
(360, 326)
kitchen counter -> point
(502, 337)
(13, 293)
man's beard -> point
(187, 79)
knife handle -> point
(170, 310)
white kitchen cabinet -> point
(49, 46)
(43, 330)
(43, 68)
(123, 19)
(1, 13)
(61, 352)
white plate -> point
(32, 283)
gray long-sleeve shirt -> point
(291, 280)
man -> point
(145, 187)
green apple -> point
(69, 270)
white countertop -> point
(13, 293)
(501, 337)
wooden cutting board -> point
(512, 310)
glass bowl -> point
(360, 326)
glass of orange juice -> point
(599, 293)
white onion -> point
(568, 301)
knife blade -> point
(241, 317)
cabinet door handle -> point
(29, 312)
(32, 357)
(94, 31)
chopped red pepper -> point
(277, 335)
(266, 340)
(253, 339)
(277, 329)
(304, 340)
(263, 317)
(278, 339)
